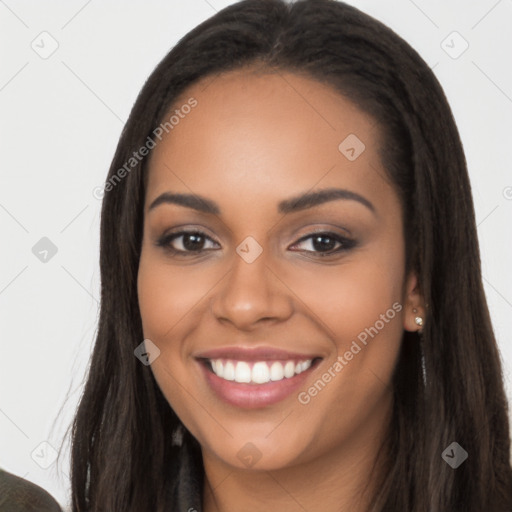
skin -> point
(253, 140)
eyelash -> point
(166, 240)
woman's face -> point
(267, 283)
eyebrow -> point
(293, 204)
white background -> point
(61, 118)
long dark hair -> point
(448, 383)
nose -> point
(251, 294)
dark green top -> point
(20, 495)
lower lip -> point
(254, 396)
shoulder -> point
(20, 495)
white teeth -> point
(305, 365)
(276, 371)
(302, 365)
(289, 369)
(261, 371)
(229, 371)
(242, 372)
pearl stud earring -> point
(418, 319)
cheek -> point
(350, 297)
(359, 306)
(167, 295)
(171, 307)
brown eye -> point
(185, 242)
(325, 243)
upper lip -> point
(253, 354)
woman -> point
(292, 310)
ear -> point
(414, 305)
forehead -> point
(259, 133)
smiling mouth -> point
(257, 372)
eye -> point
(195, 242)
(325, 243)
(192, 241)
